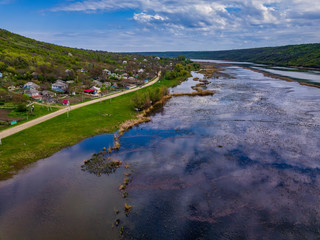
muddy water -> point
(242, 164)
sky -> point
(164, 25)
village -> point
(74, 86)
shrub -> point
(21, 108)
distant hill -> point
(21, 58)
(304, 55)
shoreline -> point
(15, 153)
(267, 74)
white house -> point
(125, 62)
(32, 93)
(30, 85)
(141, 70)
(157, 58)
(59, 86)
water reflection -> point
(242, 164)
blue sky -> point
(164, 25)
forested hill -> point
(304, 55)
(21, 56)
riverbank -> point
(304, 82)
(46, 138)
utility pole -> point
(69, 109)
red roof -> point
(65, 101)
(88, 90)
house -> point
(141, 70)
(82, 70)
(97, 83)
(59, 86)
(157, 58)
(125, 62)
(11, 88)
(46, 93)
(106, 72)
(89, 91)
(145, 60)
(96, 90)
(70, 82)
(66, 102)
(30, 85)
(31, 92)
(69, 71)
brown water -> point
(242, 164)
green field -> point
(53, 135)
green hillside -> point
(304, 55)
(23, 56)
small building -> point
(141, 70)
(66, 102)
(46, 93)
(89, 91)
(97, 83)
(96, 89)
(31, 92)
(145, 60)
(30, 85)
(70, 82)
(125, 62)
(11, 88)
(157, 58)
(69, 71)
(59, 86)
(83, 70)
(106, 72)
(1, 75)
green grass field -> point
(53, 135)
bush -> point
(21, 108)
(143, 100)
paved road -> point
(11, 131)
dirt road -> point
(11, 131)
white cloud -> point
(146, 18)
(239, 23)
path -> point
(11, 131)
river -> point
(300, 75)
(242, 164)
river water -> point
(304, 75)
(242, 164)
